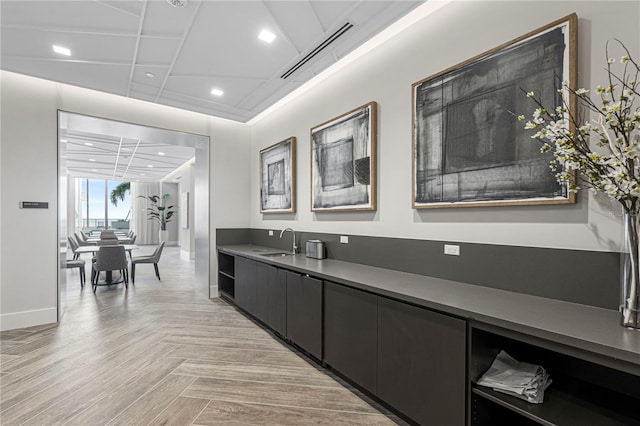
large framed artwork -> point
(469, 149)
(343, 161)
(277, 177)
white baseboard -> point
(213, 291)
(28, 318)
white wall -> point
(29, 173)
(229, 204)
(185, 178)
(454, 33)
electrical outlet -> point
(270, 233)
(452, 250)
(344, 239)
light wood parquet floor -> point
(162, 353)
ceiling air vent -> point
(333, 37)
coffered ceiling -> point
(176, 56)
(96, 148)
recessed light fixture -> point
(63, 141)
(150, 74)
(62, 50)
(94, 170)
(161, 153)
(267, 36)
(142, 174)
(149, 165)
(217, 92)
(88, 144)
(92, 159)
(177, 3)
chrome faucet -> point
(294, 247)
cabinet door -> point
(263, 276)
(304, 312)
(421, 363)
(276, 299)
(245, 296)
(350, 333)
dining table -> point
(121, 239)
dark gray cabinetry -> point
(277, 302)
(258, 292)
(245, 295)
(304, 311)
(421, 363)
(270, 297)
(350, 333)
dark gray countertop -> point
(582, 327)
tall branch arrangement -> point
(613, 165)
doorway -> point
(98, 148)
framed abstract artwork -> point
(277, 177)
(343, 161)
(469, 149)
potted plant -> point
(158, 211)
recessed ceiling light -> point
(62, 50)
(63, 141)
(149, 165)
(92, 159)
(88, 144)
(217, 92)
(161, 153)
(142, 174)
(267, 36)
(150, 74)
(94, 170)
(177, 3)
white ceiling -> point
(96, 148)
(190, 50)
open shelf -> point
(226, 275)
(574, 405)
(581, 392)
(226, 264)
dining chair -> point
(81, 241)
(73, 245)
(108, 242)
(108, 233)
(152, 258)
(76, 263)
(108, 259)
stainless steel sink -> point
(278, 254)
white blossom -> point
(612, 166)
